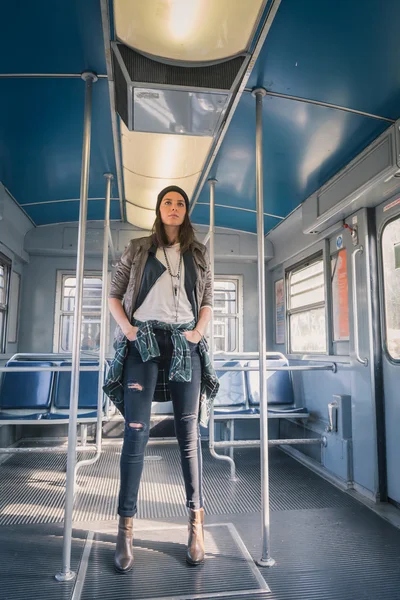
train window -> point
(306, 307)
(391, 282)
(5, 270)
(228, 314)
(91, 312)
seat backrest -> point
(88, 387)
(279, 384)
(232, 390)
(27, 390)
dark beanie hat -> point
(172, 188)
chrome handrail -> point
(329, 367)
(247, 355)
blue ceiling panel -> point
(343, 52)
(62, 212)
(41, 129)
(51, 36)
(304, 146)
(229, 217)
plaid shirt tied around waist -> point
(180, 370)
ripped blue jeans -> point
(139, 383)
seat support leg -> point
(232, 437)
(83, 434)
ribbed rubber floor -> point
(338, 550)
(32, 486)
(29, 559)
(160, 570)
(329, 554)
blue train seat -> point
(279, 384)
(27, 393)
(88, 387)
(232, 395)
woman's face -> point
(173, 209)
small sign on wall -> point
(279, 312)
(340, 297)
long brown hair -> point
(186, 233)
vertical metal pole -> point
(211, 426)
(265, 560)
(104, 311)
(103, 330)
(66, 574)
(212, 259)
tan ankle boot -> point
(123, 560)
(195, 550)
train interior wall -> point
(351, 452)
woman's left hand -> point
(192, 336)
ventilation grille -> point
(144, 70)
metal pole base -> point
(68, 576)
(269, 562)
(89, 75)
(259, 90)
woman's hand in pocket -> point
(192, 336)
(131, 333)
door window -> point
(391, 286)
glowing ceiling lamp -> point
(141, 217)
(163, 156)
(187, 30)
(153, 161)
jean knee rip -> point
(134, 386)
(189, 422)
(188, 426)
(134, 428)
(189, 417)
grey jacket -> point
(128, 277)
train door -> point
(388, 236)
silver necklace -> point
(175, 282)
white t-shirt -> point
(159, 303)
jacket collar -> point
(197, 251)
(153, 269)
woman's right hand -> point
(131, 333)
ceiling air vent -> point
(158, 97)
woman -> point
(165, 280)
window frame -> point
(239, 315)
(382, 295)
(58, 312)
(15, 286)
(317, 252)
(4, 308)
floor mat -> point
(160, 566)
